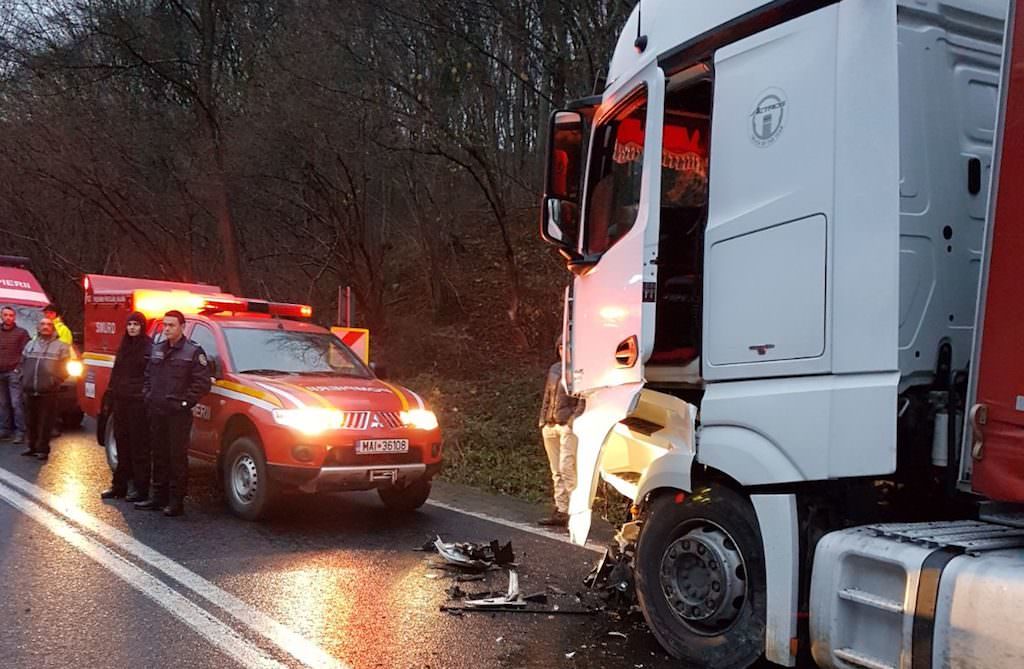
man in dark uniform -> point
(177, 376)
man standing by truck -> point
(557, 412)
(43, 370)
(12, 404)
(177, 377)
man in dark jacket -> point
(43, 370)
(12, 404)
(177, 376)
(558, 410)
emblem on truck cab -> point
(768, 117)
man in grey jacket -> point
(43, 370)
(557, 413)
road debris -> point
(612, 577)
(474, 556)
(512, 599)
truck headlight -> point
(419, 419)
(310, 421)
(74, 368)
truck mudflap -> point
(605, 408)
(942, 595)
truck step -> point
(860, 660)
(868, 599)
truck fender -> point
(746, 456)
(672, 470)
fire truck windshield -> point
(288, 352)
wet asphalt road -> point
(327, 581)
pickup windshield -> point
(285, 352)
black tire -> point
(405, 498)
(685, 552)
(110, 441)
(249, 490)
(71, 420)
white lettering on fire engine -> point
(106, 327)
(341, 389)
(201, 411)
(14, 283)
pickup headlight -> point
(419, 419)
(310, 421)
(74, 368)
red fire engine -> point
(291, 406)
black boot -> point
(135, 496)
(174, 509)
(112, 493)
(149, 504)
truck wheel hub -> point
(704, 578)
(245, 478)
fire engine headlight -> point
(419, 419)
(74, 368)
(310, 421)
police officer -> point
(177, 376)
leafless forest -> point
(281, 148)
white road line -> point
(204, 623)
(305, 651)
(522, 527)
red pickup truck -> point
(291, 406)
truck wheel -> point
(110, 441)
(249, 490)
(700, 578)
(405, 498)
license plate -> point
(368, 446)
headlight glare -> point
(420, 419)
(74, 368)
(310, 421)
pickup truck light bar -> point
(155, 303)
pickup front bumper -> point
(351, 478)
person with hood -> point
(43, 370)
(557, 413)
(128, 408)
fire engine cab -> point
(291, 408)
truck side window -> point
(616, 171)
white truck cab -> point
(775, 217)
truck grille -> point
(371, 420)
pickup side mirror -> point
(560, 212)
(380, 371)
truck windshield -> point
(285, 352)
(27, 317)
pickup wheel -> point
(249, 490)
(405, 498)
(110, 441)
(700, 578)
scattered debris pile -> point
(475, 557)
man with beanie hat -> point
(557, 413)
(177, 377)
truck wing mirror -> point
(560, 211)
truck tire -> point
(110, 441)
(249, 490)
(700, 578)
(405, 498)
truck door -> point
(995, 431)
(613, 294)
(207, 418)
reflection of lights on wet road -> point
(72, 487)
